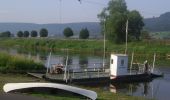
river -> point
(158, 89)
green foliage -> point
(34, 33)
(68, 32)
(135, 24)
(114, 18)
(20, 34)
(160, 35)
(43, 32)
(26, 34)
(145, 35)
(84, 34)
(5, 34)
(16, 63)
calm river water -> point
(158, 89)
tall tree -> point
(114, 18)
(20, 34)
(135, 24)
(68, 32)
(26, 34)
(43, 32)
(84, 34)
(34, 33)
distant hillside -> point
(158, 24)
(54, 29)
(155, 24)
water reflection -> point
(69, 61)
(83, 61)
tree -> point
(43, 32)
(5, 34)
(26, 34)
(135, 24)
(34, 33)
(20, 34)
(68, 32)
(84, 34)
(114, 18)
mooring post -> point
(73, 74)
(65, 72)
(131, 63)
(98, 72)
(153, 62)
(126, 35)
(48, 64)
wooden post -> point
(126, 35)
(153, 63)
(65, 72)
(73, 74)
(104, 50)
(98, 73)
(131, 63)
(48, 64)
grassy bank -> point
(143, 49)
(18, 64)
(102, 95)
(87, 45)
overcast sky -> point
(67, 11)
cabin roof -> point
(120, 55)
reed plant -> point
(16, 63)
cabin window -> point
(111, 61)
(122, 62)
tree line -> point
(67, 32)
(42, 33)
(84, 33)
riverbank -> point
(18, 64)
(142, 49)
(149, 46)
(102, 95)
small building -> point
(118, 65)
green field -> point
(160, 35)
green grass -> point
(102, 95)
(161, 35)
(18, 64)
(86, 45)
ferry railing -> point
(87, 73)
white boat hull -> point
(18, 86)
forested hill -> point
(158, 24)
(54, 29)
